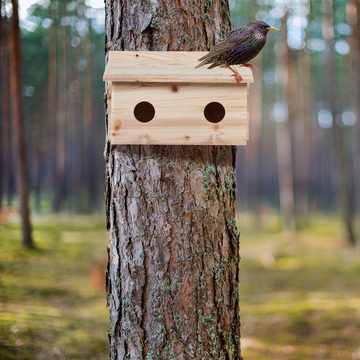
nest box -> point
(158, 97)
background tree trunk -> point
(7, 170)
(53, 105)
(305, 134)
(61, 160)
(251, 160)
(353, 17)
(3, 110)
(357, 49)
(341, 155)
(16, 102)
(283, 138)
(172, 280)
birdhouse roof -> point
(167, 67)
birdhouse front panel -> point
(160, 98)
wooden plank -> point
(167, 66)
(174, 136)
(179, 114)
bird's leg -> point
(249, 65)
(236, 74)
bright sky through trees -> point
(25, 4)
(97, 14)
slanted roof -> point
(167, 66)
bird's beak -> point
(272, 28)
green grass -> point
(51, 305)
(300, 295)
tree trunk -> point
(7, 170)
(305, 137)
(357, 171)
(61, 159)
(251, 164)
(52, 126)
(89, 124)
(341, 156)
(283, 140)
(2, 112)
(353, 14)
(16, 103)
(172, 280)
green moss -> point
(126, 302)
(230, 345)
(218, 271)
(230, 185)
(208, 181)
(157, 19)
(211, 333)
(209, 174)
(207, 4)
(232, 228)
(207, 319)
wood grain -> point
(167, 66)
(179, 114)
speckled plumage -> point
(239, 47)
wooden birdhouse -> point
(158, 97)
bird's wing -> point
(238, 34)
(217, 49)
(235, 37)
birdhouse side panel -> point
(162, 113)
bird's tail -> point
(206, 59)
(201, 64)
(213, 65)
(206, 62)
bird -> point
(238, 48)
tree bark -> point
(172, 279)
(16, 107)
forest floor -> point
(300, 295)
(52, 299)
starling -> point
(239, 47)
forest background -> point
(300, 171)
(303, 155)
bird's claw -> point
(236, 74)
(238, 78)
(251, 66)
